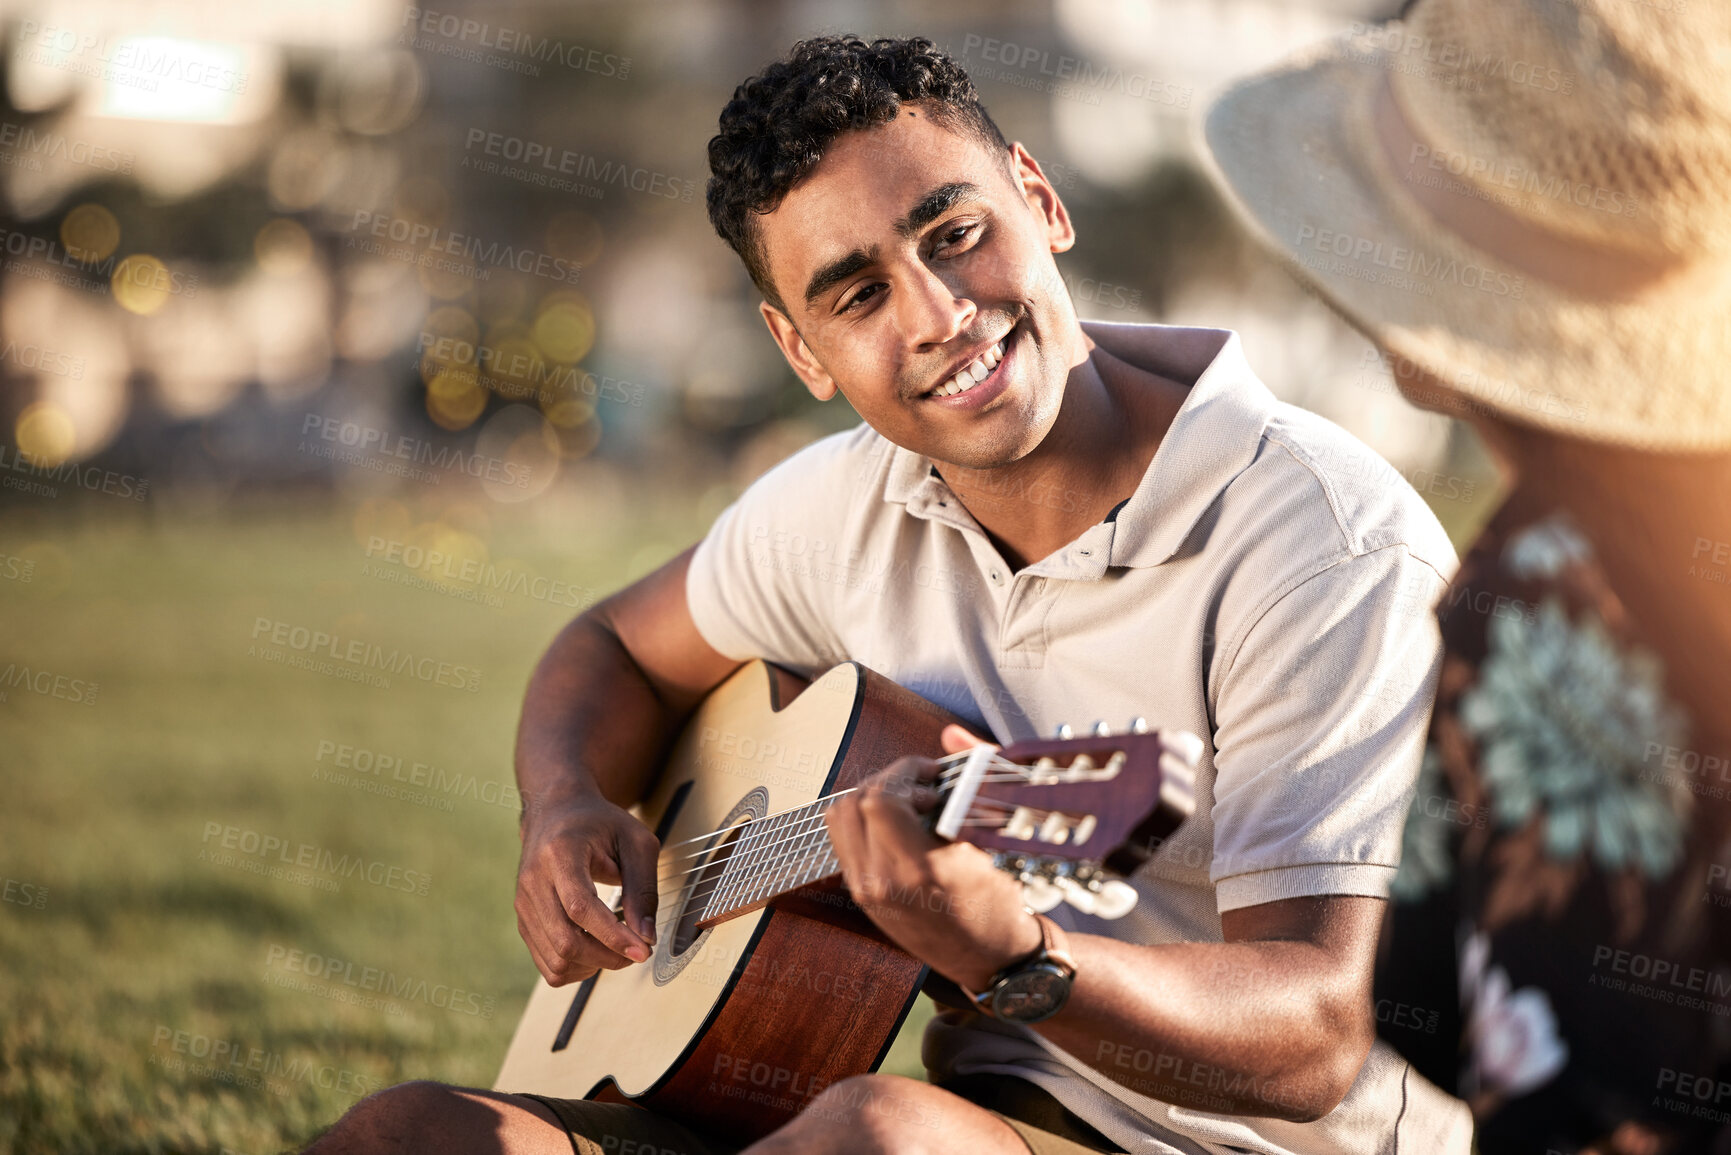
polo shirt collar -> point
(1214, 437)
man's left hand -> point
(942, 902)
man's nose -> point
(931, 313)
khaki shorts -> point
(1044, 1124)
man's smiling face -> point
(912, 255)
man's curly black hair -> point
(778, 124)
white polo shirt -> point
(1269, 586)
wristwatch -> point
(1035, 988)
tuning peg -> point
(1114, 899)
(1139, 725)
(1076, 894)
(1101, 730)
(1039, 896)
(1063, 733)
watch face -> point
(1031, 995)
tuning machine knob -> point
(1114, 899)
(1063, 733)
(1039, 895)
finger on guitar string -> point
(957, 740)
(566, 851)
(586, 914)
(909, 778)
(637, 855)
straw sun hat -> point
(1529, 200)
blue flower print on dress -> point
(1564, 718)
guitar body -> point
(732, 1029)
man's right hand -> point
(567, 849)
(602, 705)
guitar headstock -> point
(1056, 811)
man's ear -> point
(1042, 199)
(799, 357)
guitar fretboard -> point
(775, 854)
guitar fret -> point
(777, 854)
(772, 878)
(745, 864)
(813, 836)
(721, 898)
(799, 841)
(755, 889)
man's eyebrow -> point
(931, 206)
(837, 271)
(935, 204)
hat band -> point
(1582, 269)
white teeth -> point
(973, 373)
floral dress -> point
(1557, 945)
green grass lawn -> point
(159, 995)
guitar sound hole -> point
(703, 884)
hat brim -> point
(1295, 151)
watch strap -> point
(1054, 948)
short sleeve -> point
(757, 584)
(1320, 726)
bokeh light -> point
(565, 326)
(373, 91)
(141, 284)
(282, 246)
(90, 232)
(454, 400)
(45, 434)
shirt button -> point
(997, 578)
(1085, 552)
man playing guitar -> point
(1039, 517)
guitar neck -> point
(770, 857)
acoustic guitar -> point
(767, 983)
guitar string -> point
(787, 872)
(750, 878)
(757, 864)
(952, 769)
(1018, 773)
(793, 830)
(753, 857)
(786, 815)
(752, 865)
(799, 836)
(1019, 776)
(770, 877)
(948, 760)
